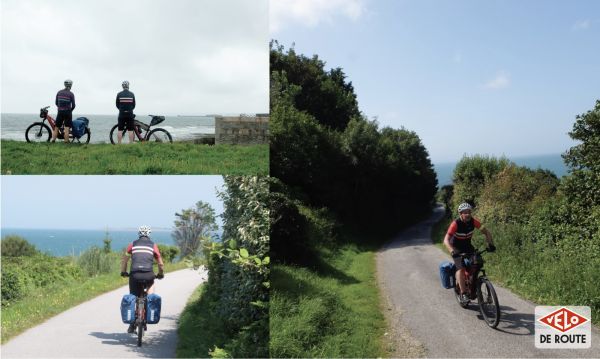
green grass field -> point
(333, 310)
(44, 303)
(141, 158)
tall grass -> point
(95, 261)
(330, 307)
(141, 158)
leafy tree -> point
(107, 241)
(191, 226)
(17, 246)
(325, 95)
(471, 174)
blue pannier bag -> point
(447, 271)
(79, 126)
(128, 308)
(153, 308)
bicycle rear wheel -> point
(38, 132)
(488, 302)
(159, 135)
(114, 132)
(85, 138)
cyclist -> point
(143, 252)
(65, 104)
(458, 240)
(125, 103)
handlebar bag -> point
(153, 308)
(128, 308)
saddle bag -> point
(128, 308)
(447, 271)
(153, 308)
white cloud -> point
(311, 13)
(181, 57)
(502, 80)
(582, 24)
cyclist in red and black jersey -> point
(458, 240)
(143, 252)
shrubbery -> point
(95, 261)
(168, 253)
(16, 246)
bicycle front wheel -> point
(159, 135)
(38, 132)
(488, 302)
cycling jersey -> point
(143, 251)
(461, 233)
(125, 102)
(65, 100)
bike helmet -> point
(125, 84)
(463, 207)
(144, 231)
(68, 83)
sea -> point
(72, 242)
(182, 128)
(552, 162)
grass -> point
(332, 310)
(544, 275)
(44, 303)
(199, 329)
(142, 158)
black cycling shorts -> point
(135, 286)
(66, 117)
(125, 120)
(463, 246)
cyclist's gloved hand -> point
(124, 274)
(491, 248)
(160, 275)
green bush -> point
(168, 253)
(13, 287)
(512, 194)
(95, 261)
(470, 176)
(16, 246)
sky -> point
(97, 202)
(181, 57)
(469, 77)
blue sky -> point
(487, 77)
(97, 202)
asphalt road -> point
(408, 271)
(94, 328)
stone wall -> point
(242, 130)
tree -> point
(192, 225)
(107, 241)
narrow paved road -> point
(95, 329)
(408, 271)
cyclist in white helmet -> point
(65, 104)
(143, 252)
(458, 240)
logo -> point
(563, 320)
(563, 327)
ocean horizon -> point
(73, 242)
(551, 162)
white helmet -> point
(68, 83)
(125, 84)
(463, 207)
(144, 231)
